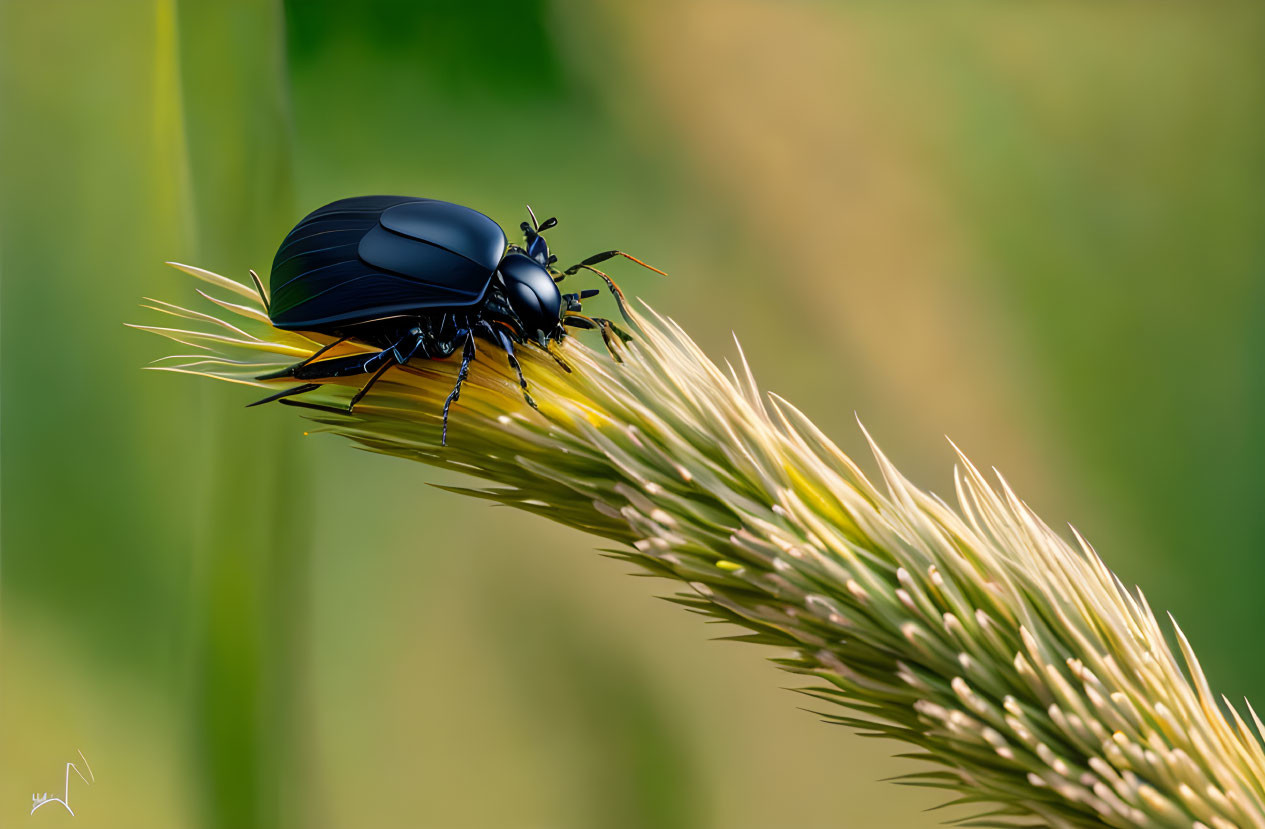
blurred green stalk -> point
(232, 176)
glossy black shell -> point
(370, 257)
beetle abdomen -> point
(364, 258)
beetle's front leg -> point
(498, 335)
(467, 354)
(610, 331)
(606, 324)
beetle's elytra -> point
(419, 278)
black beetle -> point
(419, 277)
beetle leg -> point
(615, 290)
(285, 393)
(401, 357)
(419, 345)
(397, 348)
(467, 354)
(607, 327)
(347, 366)
(351, 405)
(386, 355)
(611, 331)
(508, 345)
(614, 329)
(320, 407)
(598, 258)
(577, 320)
(289, 371)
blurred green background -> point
(1034, 227)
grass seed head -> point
(1017, 663)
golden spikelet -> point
(1016, 663)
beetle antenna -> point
(615, 291)
(598, 258)
(642, 264)
(534, 223)
(547, 224)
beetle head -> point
(533, 296)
